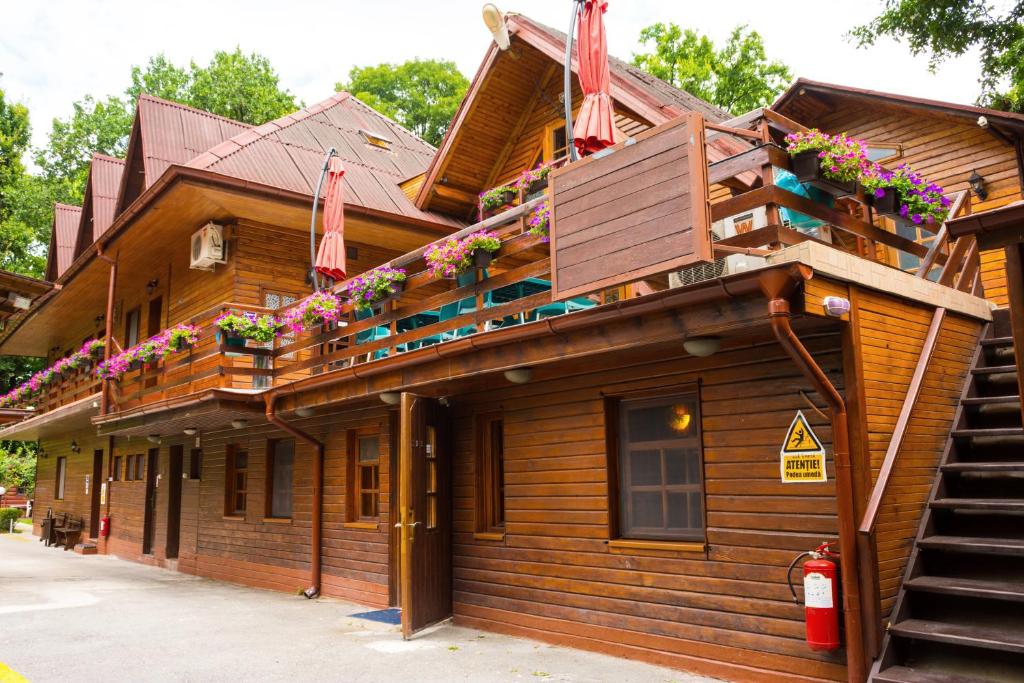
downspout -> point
(316, 515)
(776, 289)
(108, 338)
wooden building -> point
(586, 449)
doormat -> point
(384, 616)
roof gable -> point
(166, 133)
(288, 154)
(66, 219)
(100, 200)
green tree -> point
(737, 77)
(949, 28)
(241, 87)
(22, 242)
(420, 94)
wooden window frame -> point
(60, 478)
(620, 537)
(115, 468)
(140, 467)
(268, 512)
(547, 143)
(898, 146)
(231, 489)
(490, 476)
(353, 476)
(137, 312)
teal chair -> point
(556, 308)
(373, 334)
(797, 220)
(467, 305)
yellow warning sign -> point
(805, 467)
(800, 438)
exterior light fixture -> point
(100, 319)
(304, 411)
(392, 398)
(495, 22)
(190, 431)
(519, 375)
(836, 306)
(151, 286)
(153, 438)
(75, 448)
(702, 346)
(239, 423)
(977, 182)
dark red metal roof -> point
(104, 183)
(66, 219)
(288, 153)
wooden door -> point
(97, 485)
(424, 513)
(149, 523)
(175, 468)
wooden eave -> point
(994, 228)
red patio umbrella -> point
(595, 126)
(330, 258)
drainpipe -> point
(108, 338)
(316, 521)
(776, 289)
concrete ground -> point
(65, 617)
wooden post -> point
(1015, 293)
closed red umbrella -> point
(595, 126)
(330, 259)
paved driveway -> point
(64, 617)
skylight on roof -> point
(375, 139)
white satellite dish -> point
(495, 22)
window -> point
(883, 152)
(490, 474)
(659, 469)
(236, 481)
(280, 462)
(431, 457)
(364, 476)
(115, 468)
(140, 467)
(62, 472)
(131, 328)
(375, 139)
(555, 146)
(195, 464)
(272, 300)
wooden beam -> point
(1015, 293)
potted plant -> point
(249, 325)
(533, 180)
(540, 221)
(482, 246)
(313, 311)
(832, 163)
(451, 258)
(180, 338)
(497, 198)
(905, 196)
(376, 287)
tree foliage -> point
(737, 77)
(420, 94)
(950, 28)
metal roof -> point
(62, 239)
(104, 182)
(288, 153)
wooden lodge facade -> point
(586, 449)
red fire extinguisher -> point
(821, 597)
(105, 525)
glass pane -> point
(661, 422)
(682, 466)
(683, 510)
(241, 460)
(281, 499)
(240, 481)
(366, 478)
(239, 502)
(647, 509)
(645, 468)
(369, 449)
(368, 505)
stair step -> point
(991, 504)
(990, 400)
(975, 433)
(974, 544)
(966, 635)
(905, 674)
(1014, 466)
(997, 341)
(975, 588)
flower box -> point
(886, 205)
(482, 258)
(497, 200)
(535, 187)
(378, 304)
(231, 338)
(807, 169)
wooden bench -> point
(50, 524)
(68, 534)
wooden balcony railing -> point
(73, 387)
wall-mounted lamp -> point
(190, 431)
(153, 438)
(151, 286)
(836, 306)
(304, 411)
(519, 375)
(100, 319)
(977, 182)
(75, 448)
(240, 423)
(392, 398)
(702, 346)
(495, 22)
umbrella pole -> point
(573, 156)
(312, 221)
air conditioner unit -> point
(728, 265)
(208, 248)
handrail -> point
(960, 202)
(867, 524)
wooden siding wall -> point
(892, 334)
(944, 151)
(726, 612)
(79, 466)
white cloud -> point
(53, 53)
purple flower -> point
(879, 193)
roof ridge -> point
(66, 207)
(194, 110)
(107, 157)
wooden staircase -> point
(960, 613)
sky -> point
(54, 52)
